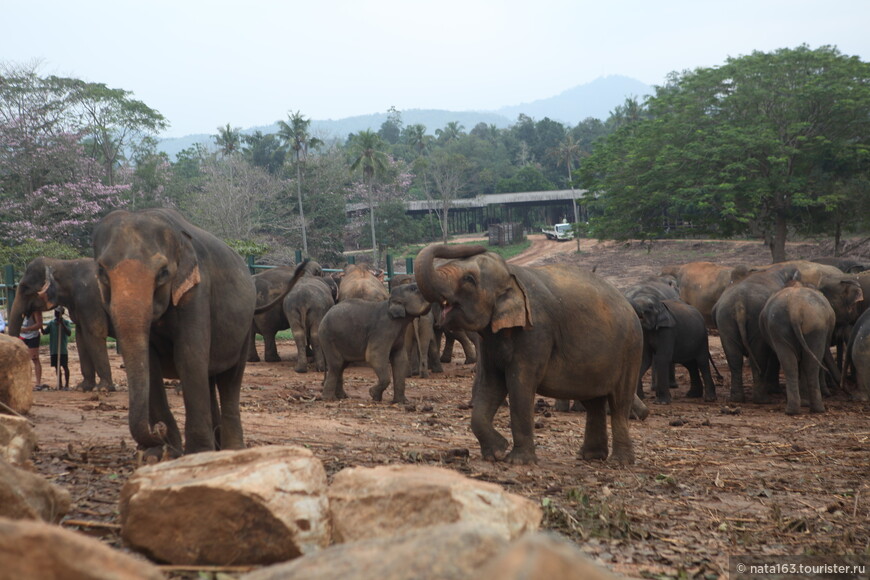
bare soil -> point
(711, 479)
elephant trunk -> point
(131, 312)
(16, 315)
(438, 284)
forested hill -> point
(596, 99)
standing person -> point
(30, 335)
(58, 332)
(2, 323)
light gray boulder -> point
(448, 552)
(16, 383)
(387, 500)
(26, 495)
(40, 550)
(17, 440)
(254, 506)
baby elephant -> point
(674, 332)
(372, 332)
(798, 322)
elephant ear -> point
(187, 275)
(664, 317)
(512, 308)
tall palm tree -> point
(417, 138)
(567, 153)
(452, 130)
(295, 134)
(371, 158)
(228, 139)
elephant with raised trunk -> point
(181, 302)
(556, 331)
(48, 283)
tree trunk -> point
(780, 233)
(301, 211)
(372, 220)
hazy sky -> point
(206, 63)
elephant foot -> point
(593, 453)
(274, 358)
(254, 358)
(694, 394)
(791, 410)
(819, 409)
(376, 393)
(446, 359)
(623, 456)
(562, 405)
(737, 397)
(400, 401)
(638, 409)
(86, 387)
(302, 369)
(471, 360)
(710, 398)
(159, 453)
(521, 457)
(663, 401)
(436, 368)
(496, 450)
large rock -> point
(16, 386)
(256, 506)
(40, 550)
(25, 495)
(383, 501)
(17, 439)
(542, 557)
(449, 552)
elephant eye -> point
(162, 275)
(469, 279)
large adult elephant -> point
(304, 308)
(737, 317)
(181, 302)
(556, 331)
(702, 283)
(48, 283)
(270, 284)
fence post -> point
(250, 261)
(409, 265)
(351, 259)
(298, 256)
(389, 266)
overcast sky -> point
(206, 63)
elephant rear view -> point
(556, 331)
(181, 302)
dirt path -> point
(711, 479)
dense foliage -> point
(766, 145)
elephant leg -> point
(253, 356)
(301, 338)
(432, 353)
(661, 365)
(621, 409)
(766, 375)
(468, 348)
(488, 394)
(810, 371)
(832, 368)
(160, 414)
(399, 364)
(382, 371)
(333, 381)
(709, 385)
(319, 362)
(595, 437)
(449, 341)
(734, 358)
(562, 405)
(522, 408)
(646, 362)
(790, 364)
(86, 363)
(672, 376)
(198, 427)
(271, 348)
(229, 386)
(696, 387)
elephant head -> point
(146, 264)
(406, 300)
(844, 295)
(476, 288)
(653, 313)
(37, 291)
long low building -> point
(473, 214)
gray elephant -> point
(269, 285)
(702, 283)
(373, 332)
(359, 282)
(48, 283)
(304, 308)
(736, 314)
(557, 331)
(674, 332)
(181, 302)
(858, 357)
(798, 322)
(847, 265)
(420, 340)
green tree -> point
(527, 178)
(294, 133)
(264, 150)
(370, 158)
(228, 140)
(391, 129)
(452, 130)
(736, 148)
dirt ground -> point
(711, 479)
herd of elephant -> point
(183, 305)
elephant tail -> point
(740, 318)
(796, 328)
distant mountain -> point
(596, 99)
